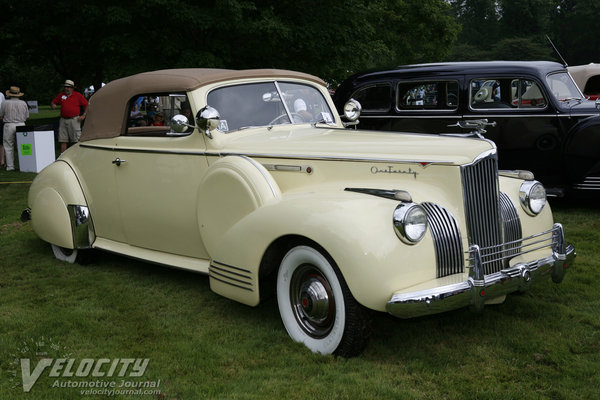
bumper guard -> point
(479, 288)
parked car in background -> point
(266, 192)
(587, 77)
(535, 113)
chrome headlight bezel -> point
(352, 110)
(533, 197)
(410, 222)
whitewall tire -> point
(316, 306)
(72, 255)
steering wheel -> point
(452, 99)
(482, 94)
(294, 115)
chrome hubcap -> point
(312, 301)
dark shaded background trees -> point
(44, 43)
(517, 29)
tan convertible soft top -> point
(108, 111)
(581, 73)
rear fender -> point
(59, 212)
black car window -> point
(527, 94)
(427, 95)
(504, 93)
(375, 98)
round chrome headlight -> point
(410, 222)
(533, 197)
(352, 110)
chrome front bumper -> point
(479, 288)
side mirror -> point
(352, 110)
(180, 125)
(208, 120)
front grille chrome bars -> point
(492, 255)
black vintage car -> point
(535, 113)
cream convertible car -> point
(264, 190)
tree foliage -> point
(517, 30)
(102, 41)
(92, 42)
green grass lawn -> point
(543, 344)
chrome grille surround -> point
(482, 209)
(446, 238)
(511, 226)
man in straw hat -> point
(13, 112)
(73, 109)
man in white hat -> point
(13, 112)
(73, 109)
(2, 161)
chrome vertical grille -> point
(482, 209)
(512, 227)
(446, 239)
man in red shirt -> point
(73, 109)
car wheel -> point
(72, 255)
(316, 306)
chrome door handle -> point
(118, 161)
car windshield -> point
(267, 104)
(562, 87)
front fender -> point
(58, 206)
(233, 188)
(356, 230)
(582, 149)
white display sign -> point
(33, 106)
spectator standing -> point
(13, 112)
(73, 109)
(2, 161)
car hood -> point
(347, 144)
(587, 106)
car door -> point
(420, 105)
(158, 180)
(94, 167)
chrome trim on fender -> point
(289, 168)
(81, 226)
(399, 195)
(230, 275)
(478, 288)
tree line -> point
(44, 42)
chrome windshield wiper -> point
(566, 99)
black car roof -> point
(531, 67)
